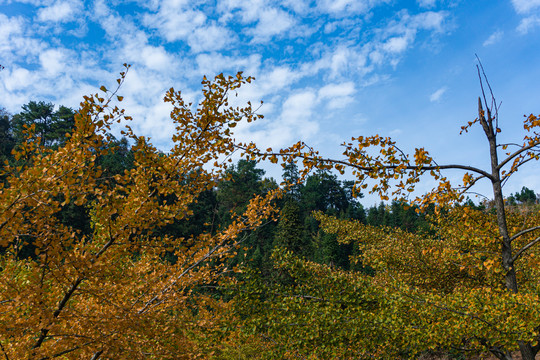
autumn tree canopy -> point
(124, 290)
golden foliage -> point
(112, 293)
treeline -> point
(296, 229)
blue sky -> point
(326, 69)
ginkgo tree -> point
(471, 284)
(124, 290)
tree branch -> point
(58, 310)
(156, 298)
(62, 353)
(390, 167)
(68, 295)
(516, 153)
(524, 232)
(525, 248)
(96, 355)
(4, 351)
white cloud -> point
(399, 35)
(341, 62)
(131, 44)
(298, 107)
(180, 21)
(376, 57)
(272, 85)
(336, 90)
(60, 11)
(386, 47)
(213, 63)
(175, 23)
(528, 23)
(298, 6)
(209, 38)
(296, 119)
(155, 122)
(493, 38)
(269, 20)
(337, 96)
(155, 58)
(427, 3)
(52, 61)
(430, 20)
(143, 86)
(10, 27)
(18, 79)
(277, 78)
(344, 8)
(101, 10)
(30, 2)
(272, 22)
(525, 6)
(248, 10)
(16, 40)
(396, 44)
(436, 96)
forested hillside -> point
(112, 249)
(295, 229)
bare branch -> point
(510, 144)
(516, 153)
(476, 193)
(525, 248)
(524, 232)
(493, 101)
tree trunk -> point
(502, 354)
(527, 352)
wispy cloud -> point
(493, 38)
(337, 96)
(210, 38)
(342, 8)
(52, 61)
(60, 11)
(528, 23)
(531, 14)
(525, 6)
(271, 22)
(437, 95)
(397, 44)
(176, 22)
(427, 3)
